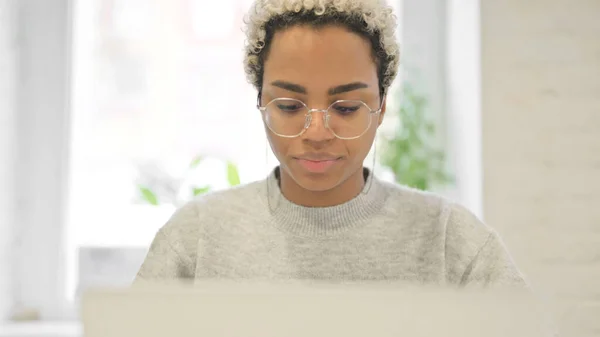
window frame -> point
(43, 126)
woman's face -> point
(319, 67)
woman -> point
(321, 69)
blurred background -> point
(115, 112)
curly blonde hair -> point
(372, 19)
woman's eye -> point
(346, 109)
(289, 107)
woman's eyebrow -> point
(347, 87)
(332, 91)
(289, 86)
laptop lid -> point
(295, 310)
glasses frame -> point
(309, 113)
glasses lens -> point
(285, 116)
(348, 119)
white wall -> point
(541, 146)
(43, 131)
(8, 53)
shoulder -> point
(189, 221)
(413, 202)
(473, 251)
(234, 199)
(464, 227)
(173, 252)
(427, 209)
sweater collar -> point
(324, 221)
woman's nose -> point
(317, 129)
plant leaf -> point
(200, 190)
(196, 161)
(233, 176)
(148, 196)
(411, 152)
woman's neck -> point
(338, 195)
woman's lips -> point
(317, 166)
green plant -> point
(156, 187)
(409, 152)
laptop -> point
(225, 309)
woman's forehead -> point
(330, 56)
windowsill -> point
(41, 329)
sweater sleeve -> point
(171, 256)
(493, 266)
(163, 262)
(476, 255)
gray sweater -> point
(386, 233)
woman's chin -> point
(311, 181)
(317, 186)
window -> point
(157, 84)
(151, 88)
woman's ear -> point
(383, 109)
(258, 98)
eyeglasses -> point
(290, 118)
